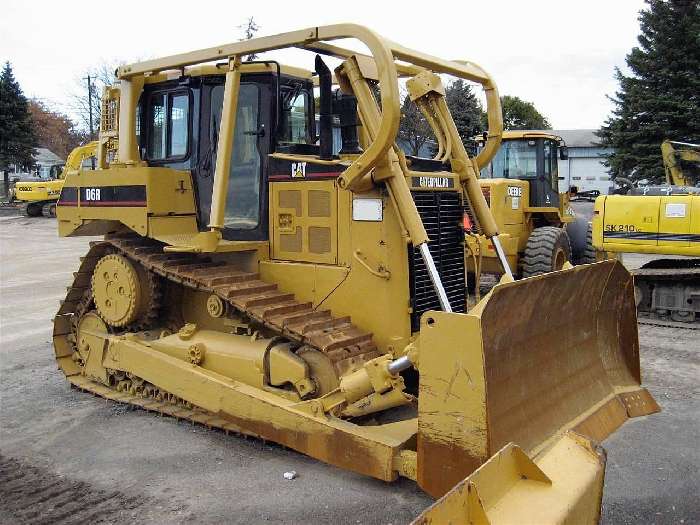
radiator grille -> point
(441, 213)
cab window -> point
(550, 164)
(294, 116)
(168, 125)
(179, 106)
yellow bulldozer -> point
(252, 280)
(539, 230)
(659, 220)
(39, 198)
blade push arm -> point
(427, 91)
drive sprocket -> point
(123, 292)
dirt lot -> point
(66, 456)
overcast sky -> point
(560, 55)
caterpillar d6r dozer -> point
(252, 280)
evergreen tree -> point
(17, 138)
(520, 114)
(466, 111)
(661, 97)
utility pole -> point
(92, 129)
(89, 86)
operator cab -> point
(532, 157)
(178, 127)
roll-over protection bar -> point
(383, 54)
(379, 66)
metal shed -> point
(584, 167)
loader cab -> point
(178, 127)
(532, 157)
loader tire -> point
(581, 241)
(589, 254)
(547, 250)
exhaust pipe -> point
(345, 106)
(325, 114)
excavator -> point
(681, 163)
(39, 198)
(660, 220)
(250, 279)
(539, 230)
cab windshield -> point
(516, 159)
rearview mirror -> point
(563, 152)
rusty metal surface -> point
(639, 403)
(557, 348)
(536, 358)
(563, 486)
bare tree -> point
(86, 99)
(54, 130)
(249, 28)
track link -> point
(655, 321)
(666, 272)
(260, 301)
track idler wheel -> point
(121, 291)
(89, 324)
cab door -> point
(544, 189)
(246, 210)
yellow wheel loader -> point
(251, 280)
(660, 220)
(39, 197)
(539, 230)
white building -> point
(48, 165)
(584, 167)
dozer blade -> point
(565, 485)
(533, 359)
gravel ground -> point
(70, 457)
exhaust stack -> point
(325, 112)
